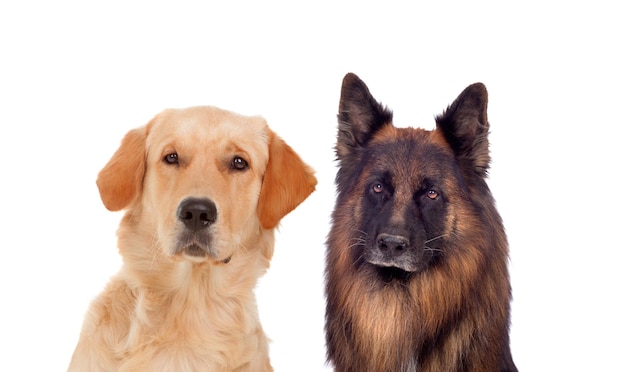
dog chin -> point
(390, 274)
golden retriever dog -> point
(203, 189)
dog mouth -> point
(391, 269)
(194, 250)
(402, 264)
(198, 248)
(194, 244)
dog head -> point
(407, 188)
(203, 182)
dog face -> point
(408, 188)
(204, 181)
(405, 198)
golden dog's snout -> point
(197, 213)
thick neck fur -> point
(437, 321)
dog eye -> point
(239, 163)
(432, 194)
(171, 158)
(377, 188)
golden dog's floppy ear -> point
(287, 182)
(121, 179)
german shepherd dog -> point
(416, 264)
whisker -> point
(435, 238)
(430, 249)
(358, 241)
(356, 260)
(356, 245)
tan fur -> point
(166, 310)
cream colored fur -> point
(167, 310)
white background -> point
(76, 76)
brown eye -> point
(432, 194)
(239, 164)
(377, 188)
(171, 158)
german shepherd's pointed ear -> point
(466, 128)
(287, 182)
(120, 181)
(360, 116)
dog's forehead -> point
(208, 126)
(409, 142)
(409, 153)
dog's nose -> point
(392, 245)
(197, 213)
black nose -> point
(196, 213)
(392, 245)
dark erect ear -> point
(360, 116)
(465, 126)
